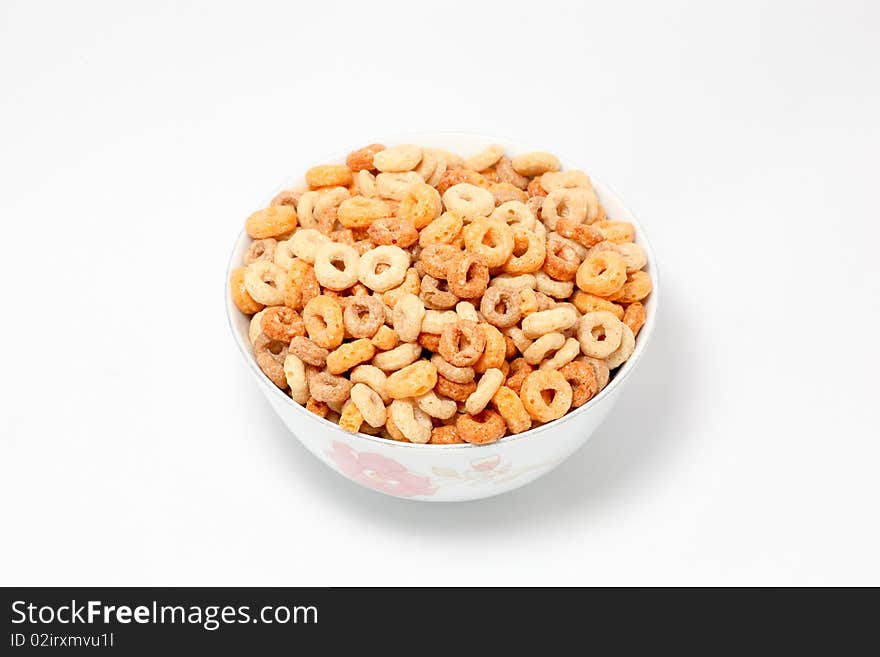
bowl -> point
(450, 473)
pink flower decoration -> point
(379, 472)
(486, 464)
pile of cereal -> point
(423, 297)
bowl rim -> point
(644, 337)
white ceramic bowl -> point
(450, 473)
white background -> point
(135, 139)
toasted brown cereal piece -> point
(616, 231)
(318, 408)
(363, 315)
(436, 259)
(410, 285)
(445, 435)
(602, 274)
(462, 343)
(500, 306)
(634, 316)
(429, 341)
(443, 230)
(456, 175)
(436, 294)
(420, 205)
(263, 249)
(561, 262)
(485, 427)
(323, 319)
(270, 356)
(510, 407)
(362, 158)
(393, 230)
(493, 354)
(351, 418)
(329, 388)
(581, 377)
(506, 173)
(308, 351)
(492, 241)
(519, 369)
(457, 391)
(282, 323)
(637, 286)
(467, 275)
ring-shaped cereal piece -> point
(487, 386)
(505, 192)
(304, 244)
(362, 158)
(393, 230)
(295, 374)
(542, 347)
(452, 372)
(572, 204)
(436, 320)
(573, 178)
(582, 378)
(429, 341)
(395, 185)
(560, 318)
(583, 234)
(510, 407)
(562, 262)
(485, 158)
(436, 258)
(411, 285)
(350, 354)
(265, 282)
(506, 173)
(616, 231)
(457, 391)
(435, 294)
(437, 407)
(528, 255)
(360, 211)
(396, 261)
(553, 288)
(638, 285)
(587, 303)
(240, 296)
(515, 214)
(407, 316)
(397, 358)
(258, 250)
(308, 351)
(546, 395)
(420, 205)
(535, 164)
(569, 350)
(410, 420)
(466, 310)
(288, 197)
(602, 273)
(485, 427)
(270, 356)
(600, 368)
(467, 275)
(369, 403)
(445, 435)
(468, 200)
(328, 273)
(599, 333)
(624, 351)
(329, 388)
(414, 380)
(519, 370)
(363, 315)
(282, 323)
(323, 319)
(443, 230)
(328, 175)
(271, 222)
(397, 158)
(491, 240)
(495, 351)
(462, 343)
(634, 316)
(372, 376)
(505, 299)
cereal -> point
(599, 333)
(535, 164)
(323, 319)
(445, 435)
(393, 230)
(295, 375)
(329, 273)
(397, 358)
(361, 211)
(411, 420)
(582, 379)
(350, 354)
(409, 288)
(362, 158)
(469, 201)
(624, 351)
(602, 273)
(510, 407)
(369, 403)
(414, 380)
(407, 316)
(547, 321)
(485, 427)
(461, 344)
(270, 356)
(328, 175)
(487, 386)
(420, 205)
(500, 307)
(540, 348)
(308, 351)
(282, 323)
(363, 315)
(437, 407)
(546, 395)
(634, 316)
(240, 296)
(271, 222)
(264, 282)
(467, 275)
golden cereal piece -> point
(546, 395)
(328, 175)
(271, 222)
(350, 354)
(510, 407)
(240, 297)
